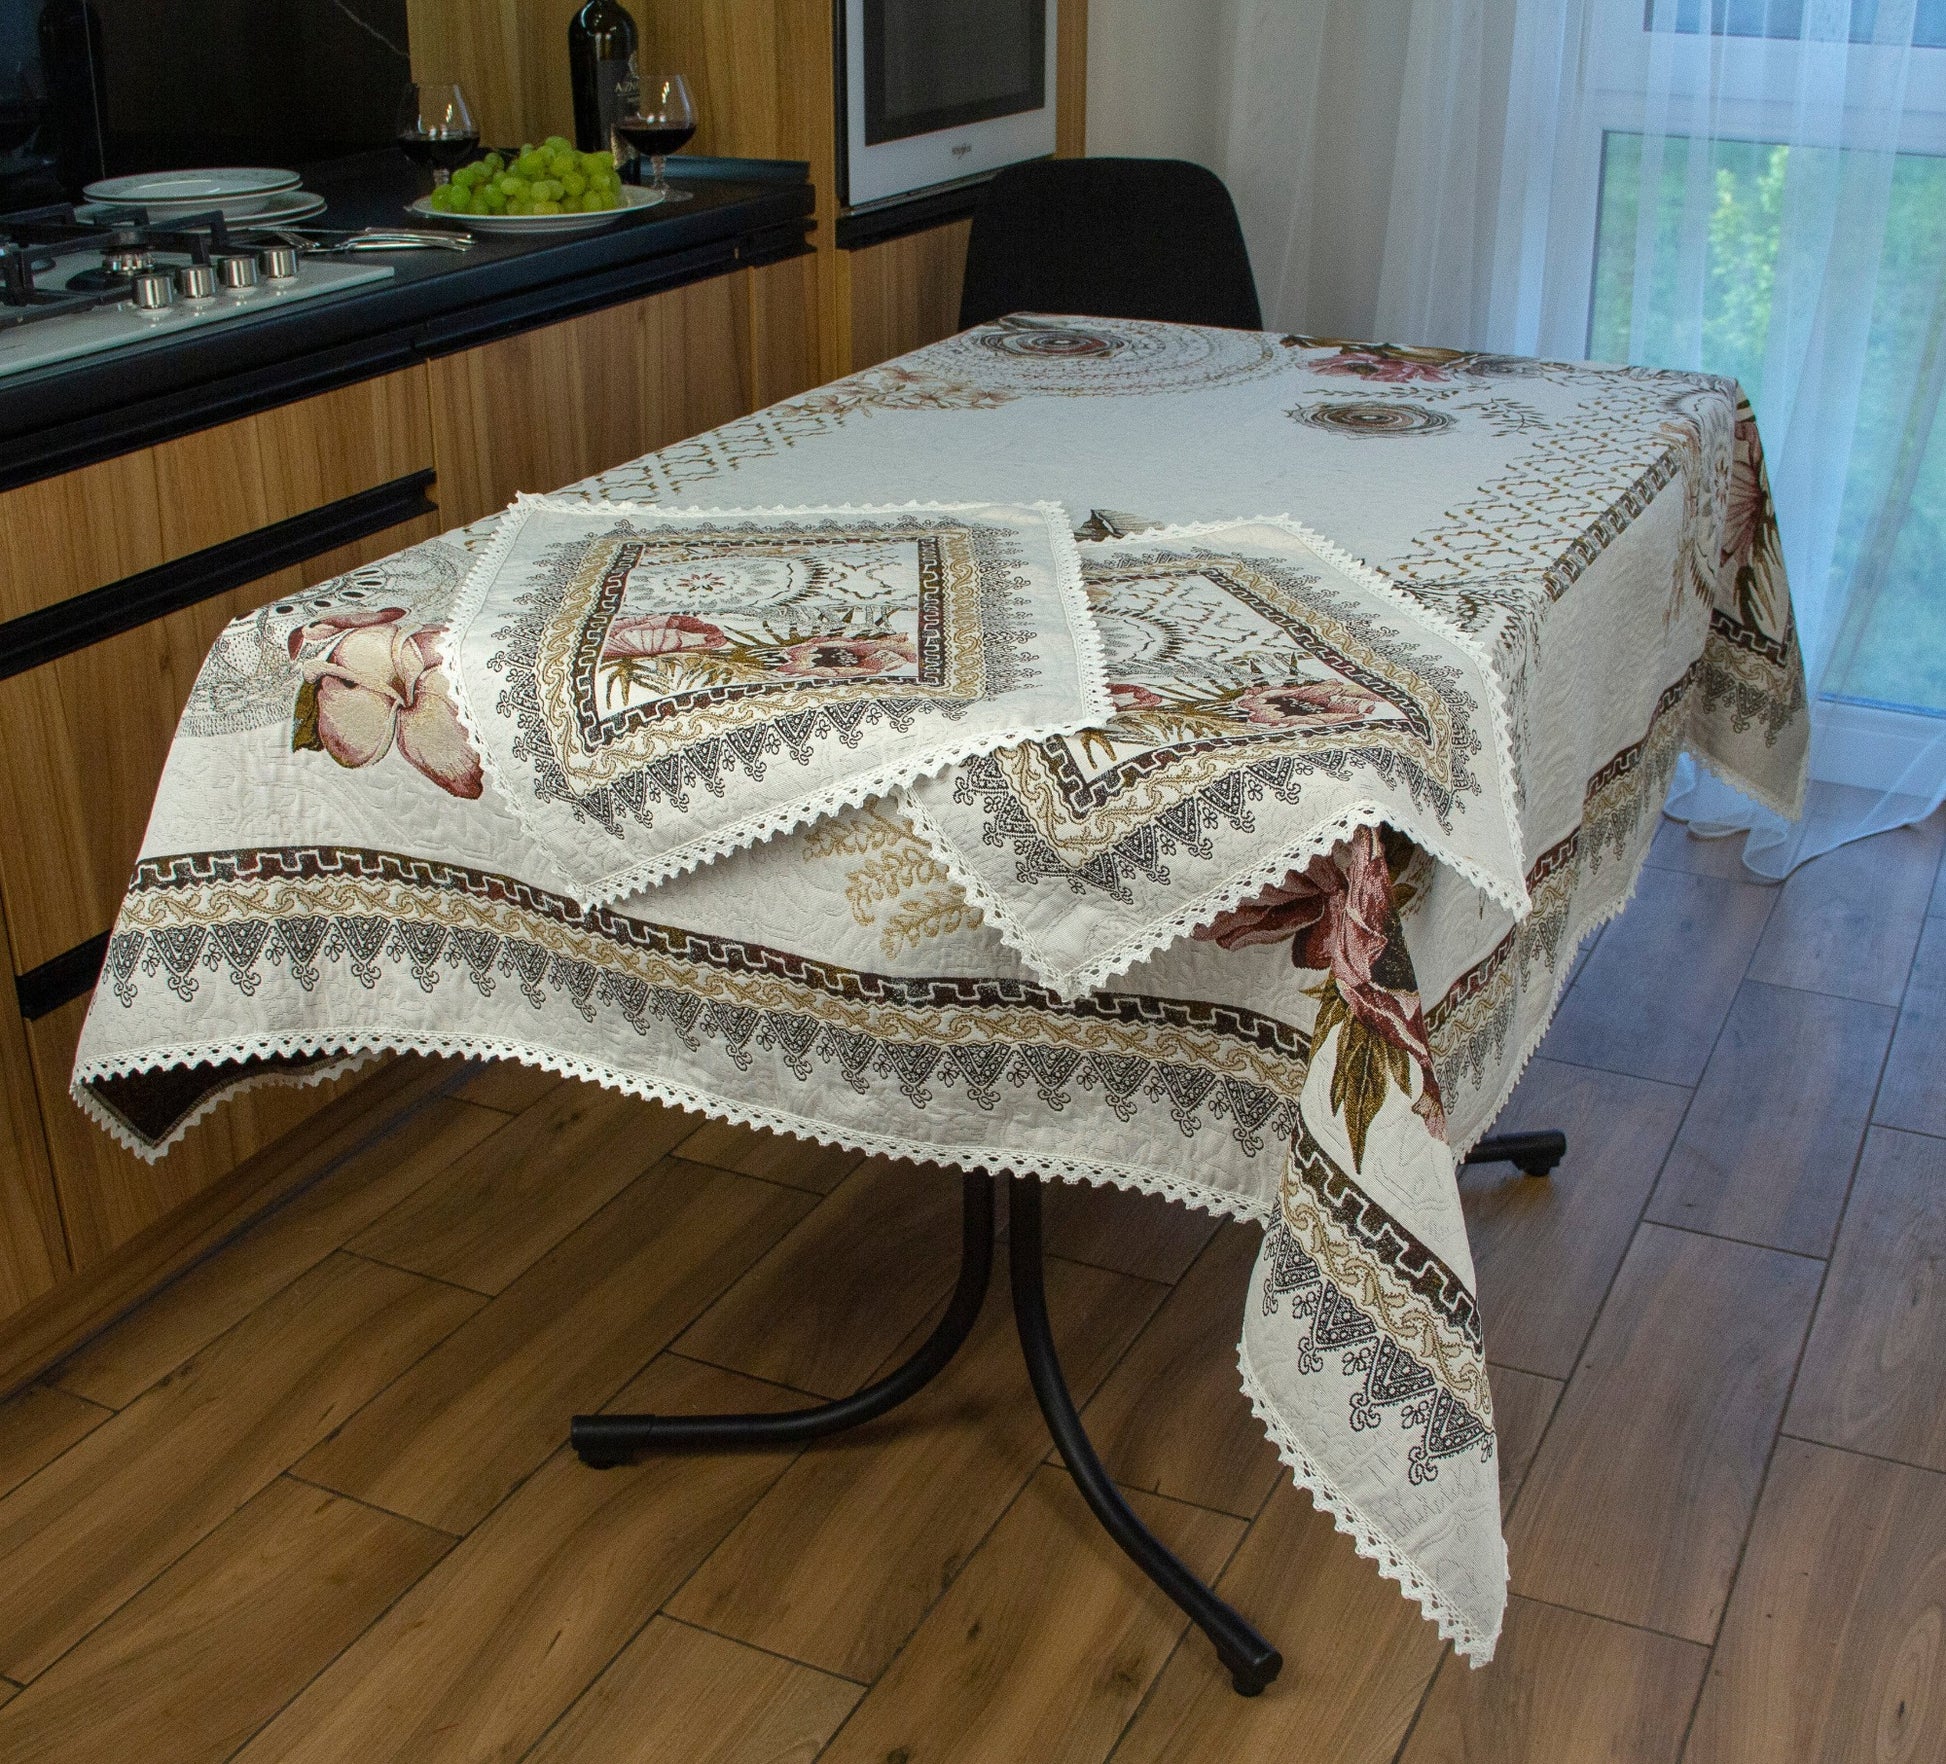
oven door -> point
(933, 91)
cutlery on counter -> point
(317, 240)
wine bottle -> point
(601, 38)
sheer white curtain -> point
(1751, 187)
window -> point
(1657, 212)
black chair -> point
(1110, 238)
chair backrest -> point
(1112, 238)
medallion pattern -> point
(681, 684)
(1268, 692)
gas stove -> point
(71, 287)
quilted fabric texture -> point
(651, 689)
(1270, 695)
(333, 866)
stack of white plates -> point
(261, 194)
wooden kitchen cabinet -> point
(84, 733)
(85, 736)
(556, 404)
(904, 292)
(107, 1194)
(33, 1250)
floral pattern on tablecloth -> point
(1311, 1060)
(1270, 694)
(652, 688)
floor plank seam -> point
(370, 1506)
(378, 1617)
(1425, 1697)
(1769, 1249)
(344, 1249)
(758, 1648)
(1790, 1389)
(1825, 1445)
(932, 1605)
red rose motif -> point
(1132, 698)
(1295, 703)
(650, 634)
(376, 685)
(847, 658)
(1338, 918)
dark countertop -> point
(740, 212)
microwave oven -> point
(932, 92)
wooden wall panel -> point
(1071, 80)
(510, 55)
(905, 292)
(784, 350)
(550, 406)
(85, 737)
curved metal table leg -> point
(1251, 1660)
(603, 1441)
(1533, 1154)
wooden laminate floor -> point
(311, 1502)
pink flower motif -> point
(1337, 915)
(1387, 362)
(659, 634)
(847, 658)
(375, 684)
(1296, 703)
(1132, 698)
(1749, 503)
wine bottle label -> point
(609, 73)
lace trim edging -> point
(355, 1048)
(1370, 1542)
(1094, 704)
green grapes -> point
(549, 179)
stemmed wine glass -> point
(658, 117)
(436, 128)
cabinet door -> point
(33, 1251)
(85, 736)
(107, 1194)
(550, 406)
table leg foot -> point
(1533, 1154)
(604, 1441)
(1251, 1661)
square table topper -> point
(651, 688)
(1272, 693)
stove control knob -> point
(195, 281)
(278, 263)
(236, 272)
(151, 290)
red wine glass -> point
(658, 119)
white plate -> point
(228, 187)
(283, 207)
(634, 198)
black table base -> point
(604, 1441)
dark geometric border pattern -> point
(709, 763)
(1388, 1377)
(300, 942)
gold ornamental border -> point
(1143, 800)
(207, 904)
(590, 769)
